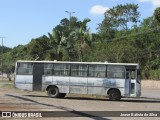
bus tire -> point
(114, 95)
(62, 95)
(53, 92)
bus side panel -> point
(62, 82)
(47, 80)
(96, 86)
(24, 82)
(120, 84)
(100, 86)
(78, 85)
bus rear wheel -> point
(114, 95)
(53, 92)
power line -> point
(132, 35)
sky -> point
(23, 20)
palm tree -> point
(57, 43)
(82, 36)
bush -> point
(154, 74)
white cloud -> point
(98, 9)
(155, 3)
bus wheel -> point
(114, 95)
(62, 95)
(53, 92)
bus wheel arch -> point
(53, 91)
(114, 94)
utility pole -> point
(2, 57)
(70, 15)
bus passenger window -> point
(48, 69)
(79, 70)
(97, 70)
(115, 72)
(98, 74)
(110, 74)
(61, 69)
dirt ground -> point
(150, 83)
(12, 99)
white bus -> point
(58, 78)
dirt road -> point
(17, 100)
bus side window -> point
(79, 70)
(61, 69)
(97, 70)
(25, 68)
(98, 74)
(115, 72)
(48, 69)
(109, 74)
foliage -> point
(38, 48)
(157, 14)
(120, 17)
(57, 42)
(5, 49)
(82, 37)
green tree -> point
(3, 49)
(157, 14)
(58, 42)
(120, 17)
(82, 37)
(11, 56)
(38, 48)
(145, 40)
(67, 28)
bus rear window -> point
(24, 68)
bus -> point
(58, 78)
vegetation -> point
(121, 37)
(157, 14)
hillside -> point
(5, 49)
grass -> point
(7, 85)
(6, 81)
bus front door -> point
(130, 82)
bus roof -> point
(70, 62)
